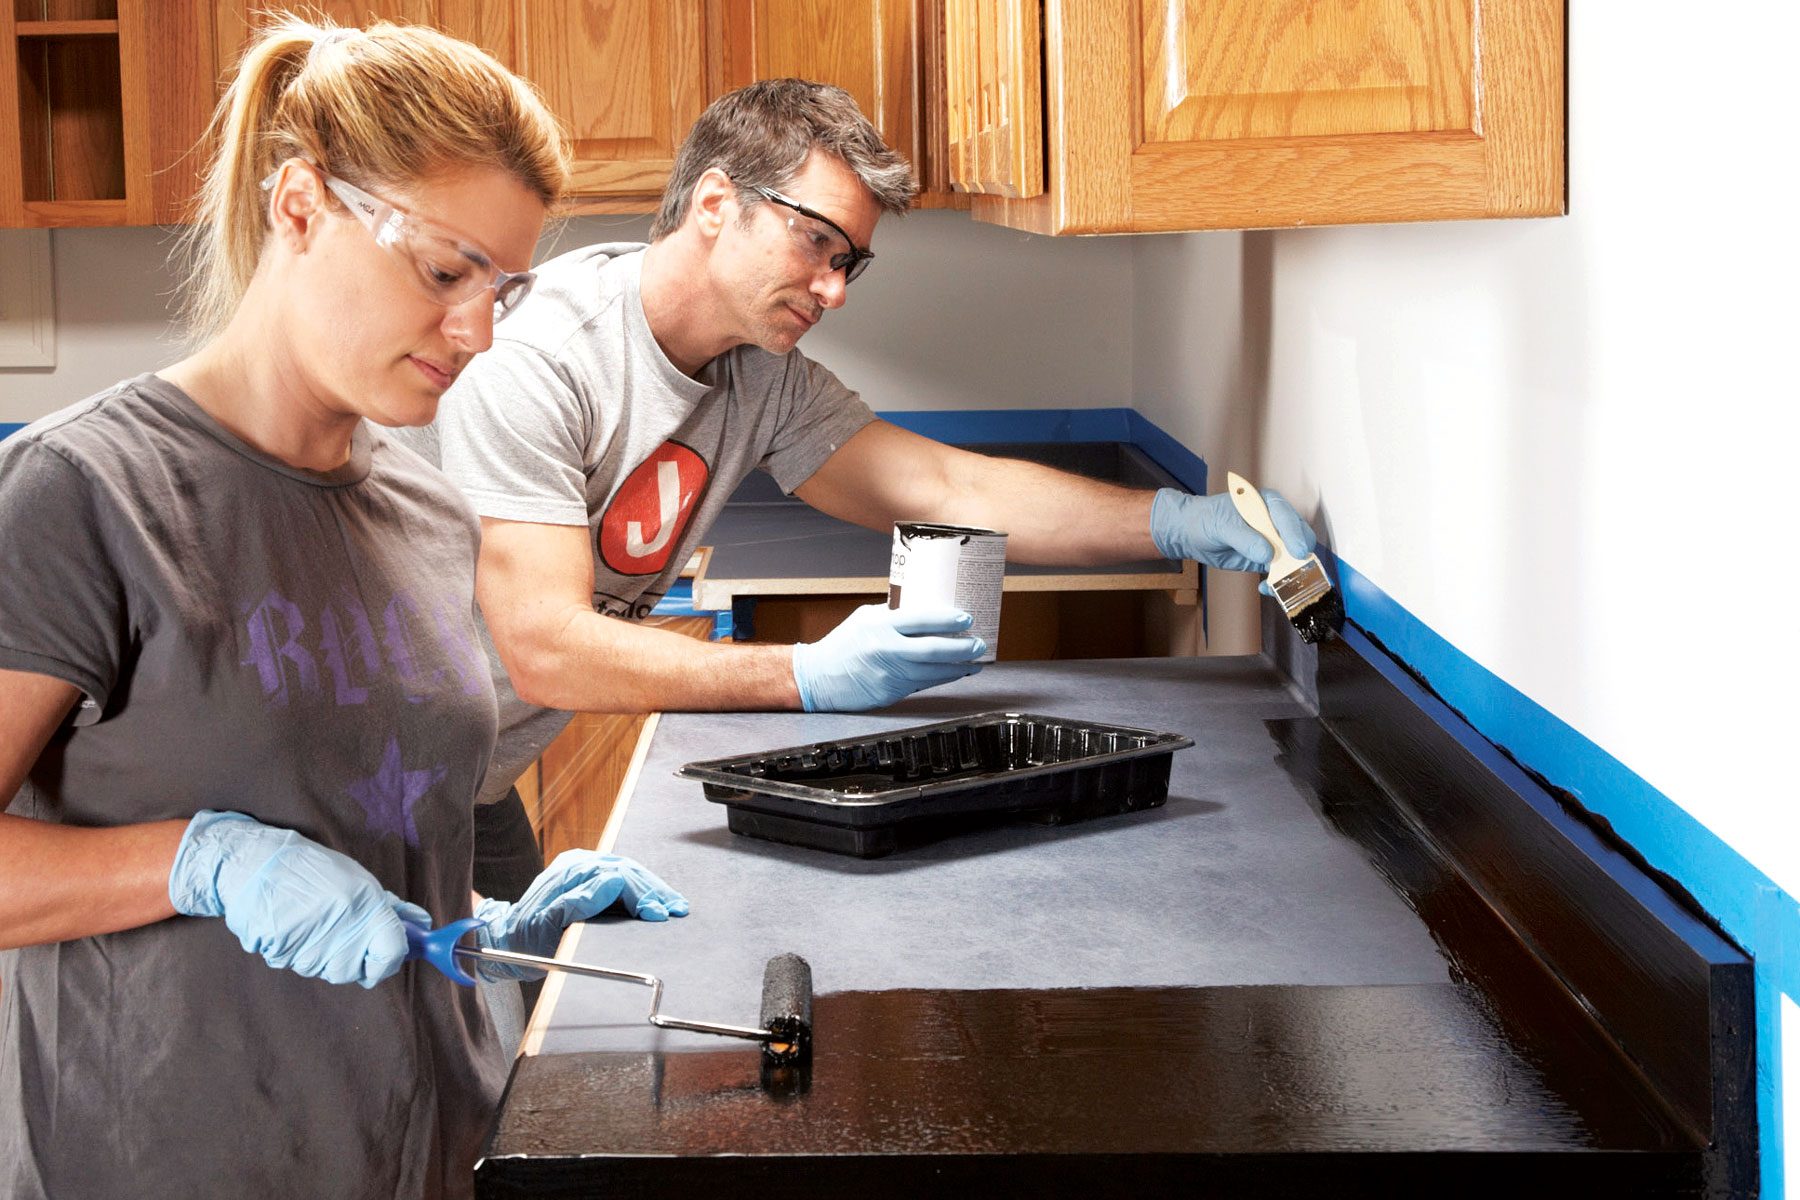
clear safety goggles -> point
(449, 269)
(822, 240)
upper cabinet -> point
(630, 77)
(888, 54)
(627, 77)
(1232, 114)
(1058, 116)
(994, 97)
(100, 103)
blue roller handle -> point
(438, 946)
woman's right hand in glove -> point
(301, 906)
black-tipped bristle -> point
(787, 1008)
(1319, 620)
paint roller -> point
(785, 1022)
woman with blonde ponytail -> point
(244, 705)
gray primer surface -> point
(1236, 880)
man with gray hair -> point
(625, 399)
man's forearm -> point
(1051, 516)
(596, 663)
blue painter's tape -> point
(1745, 902)
(678, 601)
(1186, 466)
(963, 428)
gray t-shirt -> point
(577, 417)
(293, 645)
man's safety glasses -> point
(449, 269)
(820, 247)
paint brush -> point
(1300, 585)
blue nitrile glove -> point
(302, 907)
(1208, 529)
(878, 655)
(577, 884)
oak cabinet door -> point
(628, 77)
(1232, 114)
(993, 84)
(885, 53)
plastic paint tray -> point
(866, 796)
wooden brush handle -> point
(1250, 506)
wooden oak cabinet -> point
(629, 77)
(100, 103)
(888, 54)
(994, 97)
(1058, 116)
(1233, 114)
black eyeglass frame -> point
(851, 262)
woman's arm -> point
(59, 882)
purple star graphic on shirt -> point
(388, 796)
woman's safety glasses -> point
(451, 270)
(822, 249)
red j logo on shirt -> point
(642, 524)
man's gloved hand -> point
(879, 655)
(577, 885)
(302, 907)
(1208, 529)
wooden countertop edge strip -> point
(533, 1040)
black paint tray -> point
(865, 796)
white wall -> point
(114, 314)
(1564, 445)
(950, 315)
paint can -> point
(958, 566)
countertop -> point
(1235, 880)
(1236, 989)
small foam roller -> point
(787, 1008)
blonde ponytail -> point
(382, 107)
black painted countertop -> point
(1217, 981)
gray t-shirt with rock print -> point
(577, 417)
(293, 645)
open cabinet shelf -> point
(102, 103)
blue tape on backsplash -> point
(1059, 425)
(1169, 454)
(1744, 902)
